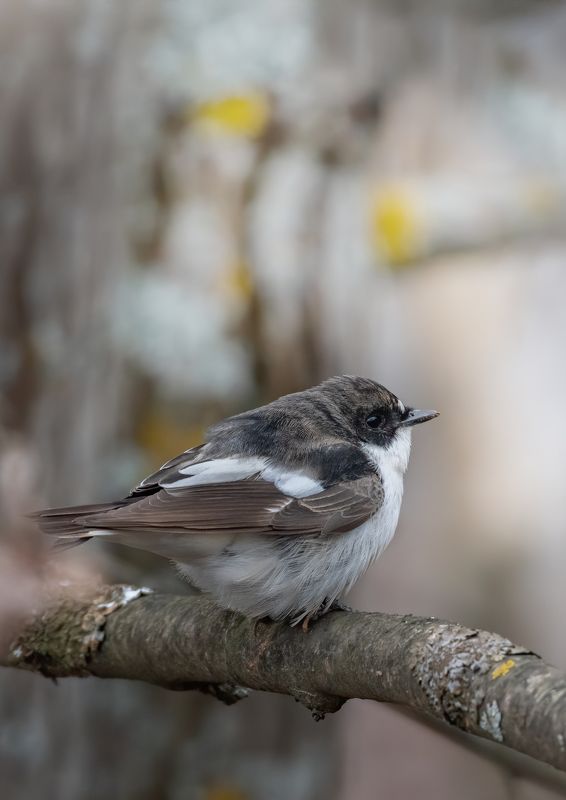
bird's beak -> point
(416, 416)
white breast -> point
(391, 464)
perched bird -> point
(282, 508)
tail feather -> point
(70, 526)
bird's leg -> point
(306, 621)
(338, 605)
(325, 608)
(332, 605)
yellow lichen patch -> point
(244, 115)
(394, 226)
(503, 669)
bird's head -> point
(342, 411)
(368, 410)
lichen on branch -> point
(474, 680)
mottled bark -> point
(476, 681)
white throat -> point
(391, 463)
(392, 459)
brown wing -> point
(246, 506)
(335, 510)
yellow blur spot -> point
(225, 793)
(162, 439)
(395, 228)
(503, 669)
(238, 282)
(244, 115)
(543, 198)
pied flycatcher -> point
(282, 508)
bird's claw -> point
(325, 608)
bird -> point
(280, 510)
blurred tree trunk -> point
(79, 119)
(64, 153)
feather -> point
(243, 506)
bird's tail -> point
(70, 526)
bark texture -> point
(476, 681)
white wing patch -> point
(223, 470)
(294, 484)
(219, 470)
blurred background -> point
(207, 203)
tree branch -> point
(474, 680)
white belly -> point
(292, 576)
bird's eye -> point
(374, 420)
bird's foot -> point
(307, 621)
(325, 608)
(338, 605)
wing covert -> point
(252, 505)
